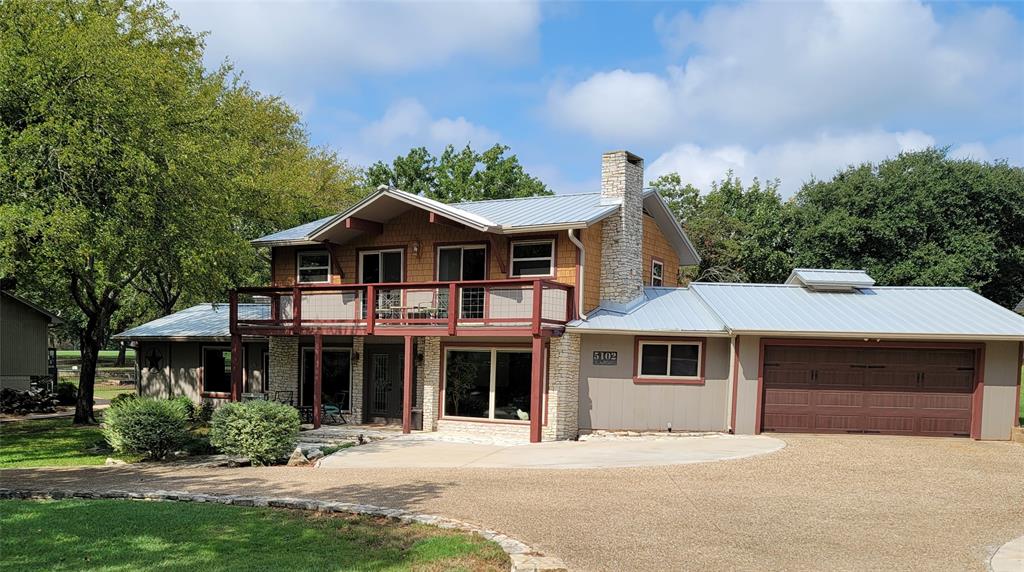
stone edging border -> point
(524, 558)
(1009, 557)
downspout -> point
(580, 271)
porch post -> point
(236, 347)
(318, 350)
(536, 389)
(407, 387)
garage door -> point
(868, 390)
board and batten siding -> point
(23, 344)
(181, 364)
(610, 400)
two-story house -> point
(541, 318)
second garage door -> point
(868, 390)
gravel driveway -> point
(822, 503)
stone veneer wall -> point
(563, 388)
(431, 375)
(622, 179)
(356, 399)
(478, 429)
(284, 365)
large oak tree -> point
(125, 164)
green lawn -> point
(49, 442)
(111, 535)
(75, 354)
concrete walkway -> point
(1010, 557)
(596, 454)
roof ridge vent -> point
(830, 279)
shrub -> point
(117, 399)
(263, 431)
(145, 426)
(67, 393)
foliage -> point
(920, 219)
(263, 431)
(150, 427)
(51, 442)
(127, 535)
(121, 398)
(67, 393)
(743, 234)
(458, 176)
(126, 166)
(13, 401)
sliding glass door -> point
(458, 263)
(490, 383)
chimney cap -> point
(630, 156)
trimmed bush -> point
(67, 393)
(145, 426)
(117, 399)
(263, 431)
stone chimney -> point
(622, 182)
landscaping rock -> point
(314, 454)
(110, 462)
(298, 459)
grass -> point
(108, 535)
(76, 355)
(50, 442)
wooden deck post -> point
(236, 347)
(318, 351)
(536, 389)
(407, 386)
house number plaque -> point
(606, 358)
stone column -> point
(431, 381)
(563, 388)
(284, 365)
(358, 385)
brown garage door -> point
(868, 390)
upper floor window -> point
(379, 266)
(657, 273)
(314, 266)
(533, 258)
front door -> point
(384, 367)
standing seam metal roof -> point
(539, 211)
(201, 322)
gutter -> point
(581, 272)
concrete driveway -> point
(594, 454)
(821, 503)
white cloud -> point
(757, 69)
(280, 44)
(407, 123)
(794, 161)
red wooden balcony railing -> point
(407, 308)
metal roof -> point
(830, 278)
(660, 310)
(509, 214)
(292, 235)
(204, 322)
(878, 311)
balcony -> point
(479, 307)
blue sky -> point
(769, 89)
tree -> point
(920, 219)
(458, 176)
(123, 161)
(743, 234)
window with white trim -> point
(314, 266)
(532, 258)
(657, 273)
(217, 370)
(669, 360)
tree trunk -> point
(90, 348)
(121, 350)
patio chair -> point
(286, 397)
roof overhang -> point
(658, 209)
(903, 336)
(386, 203)
(650, 332)
(197, 339)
